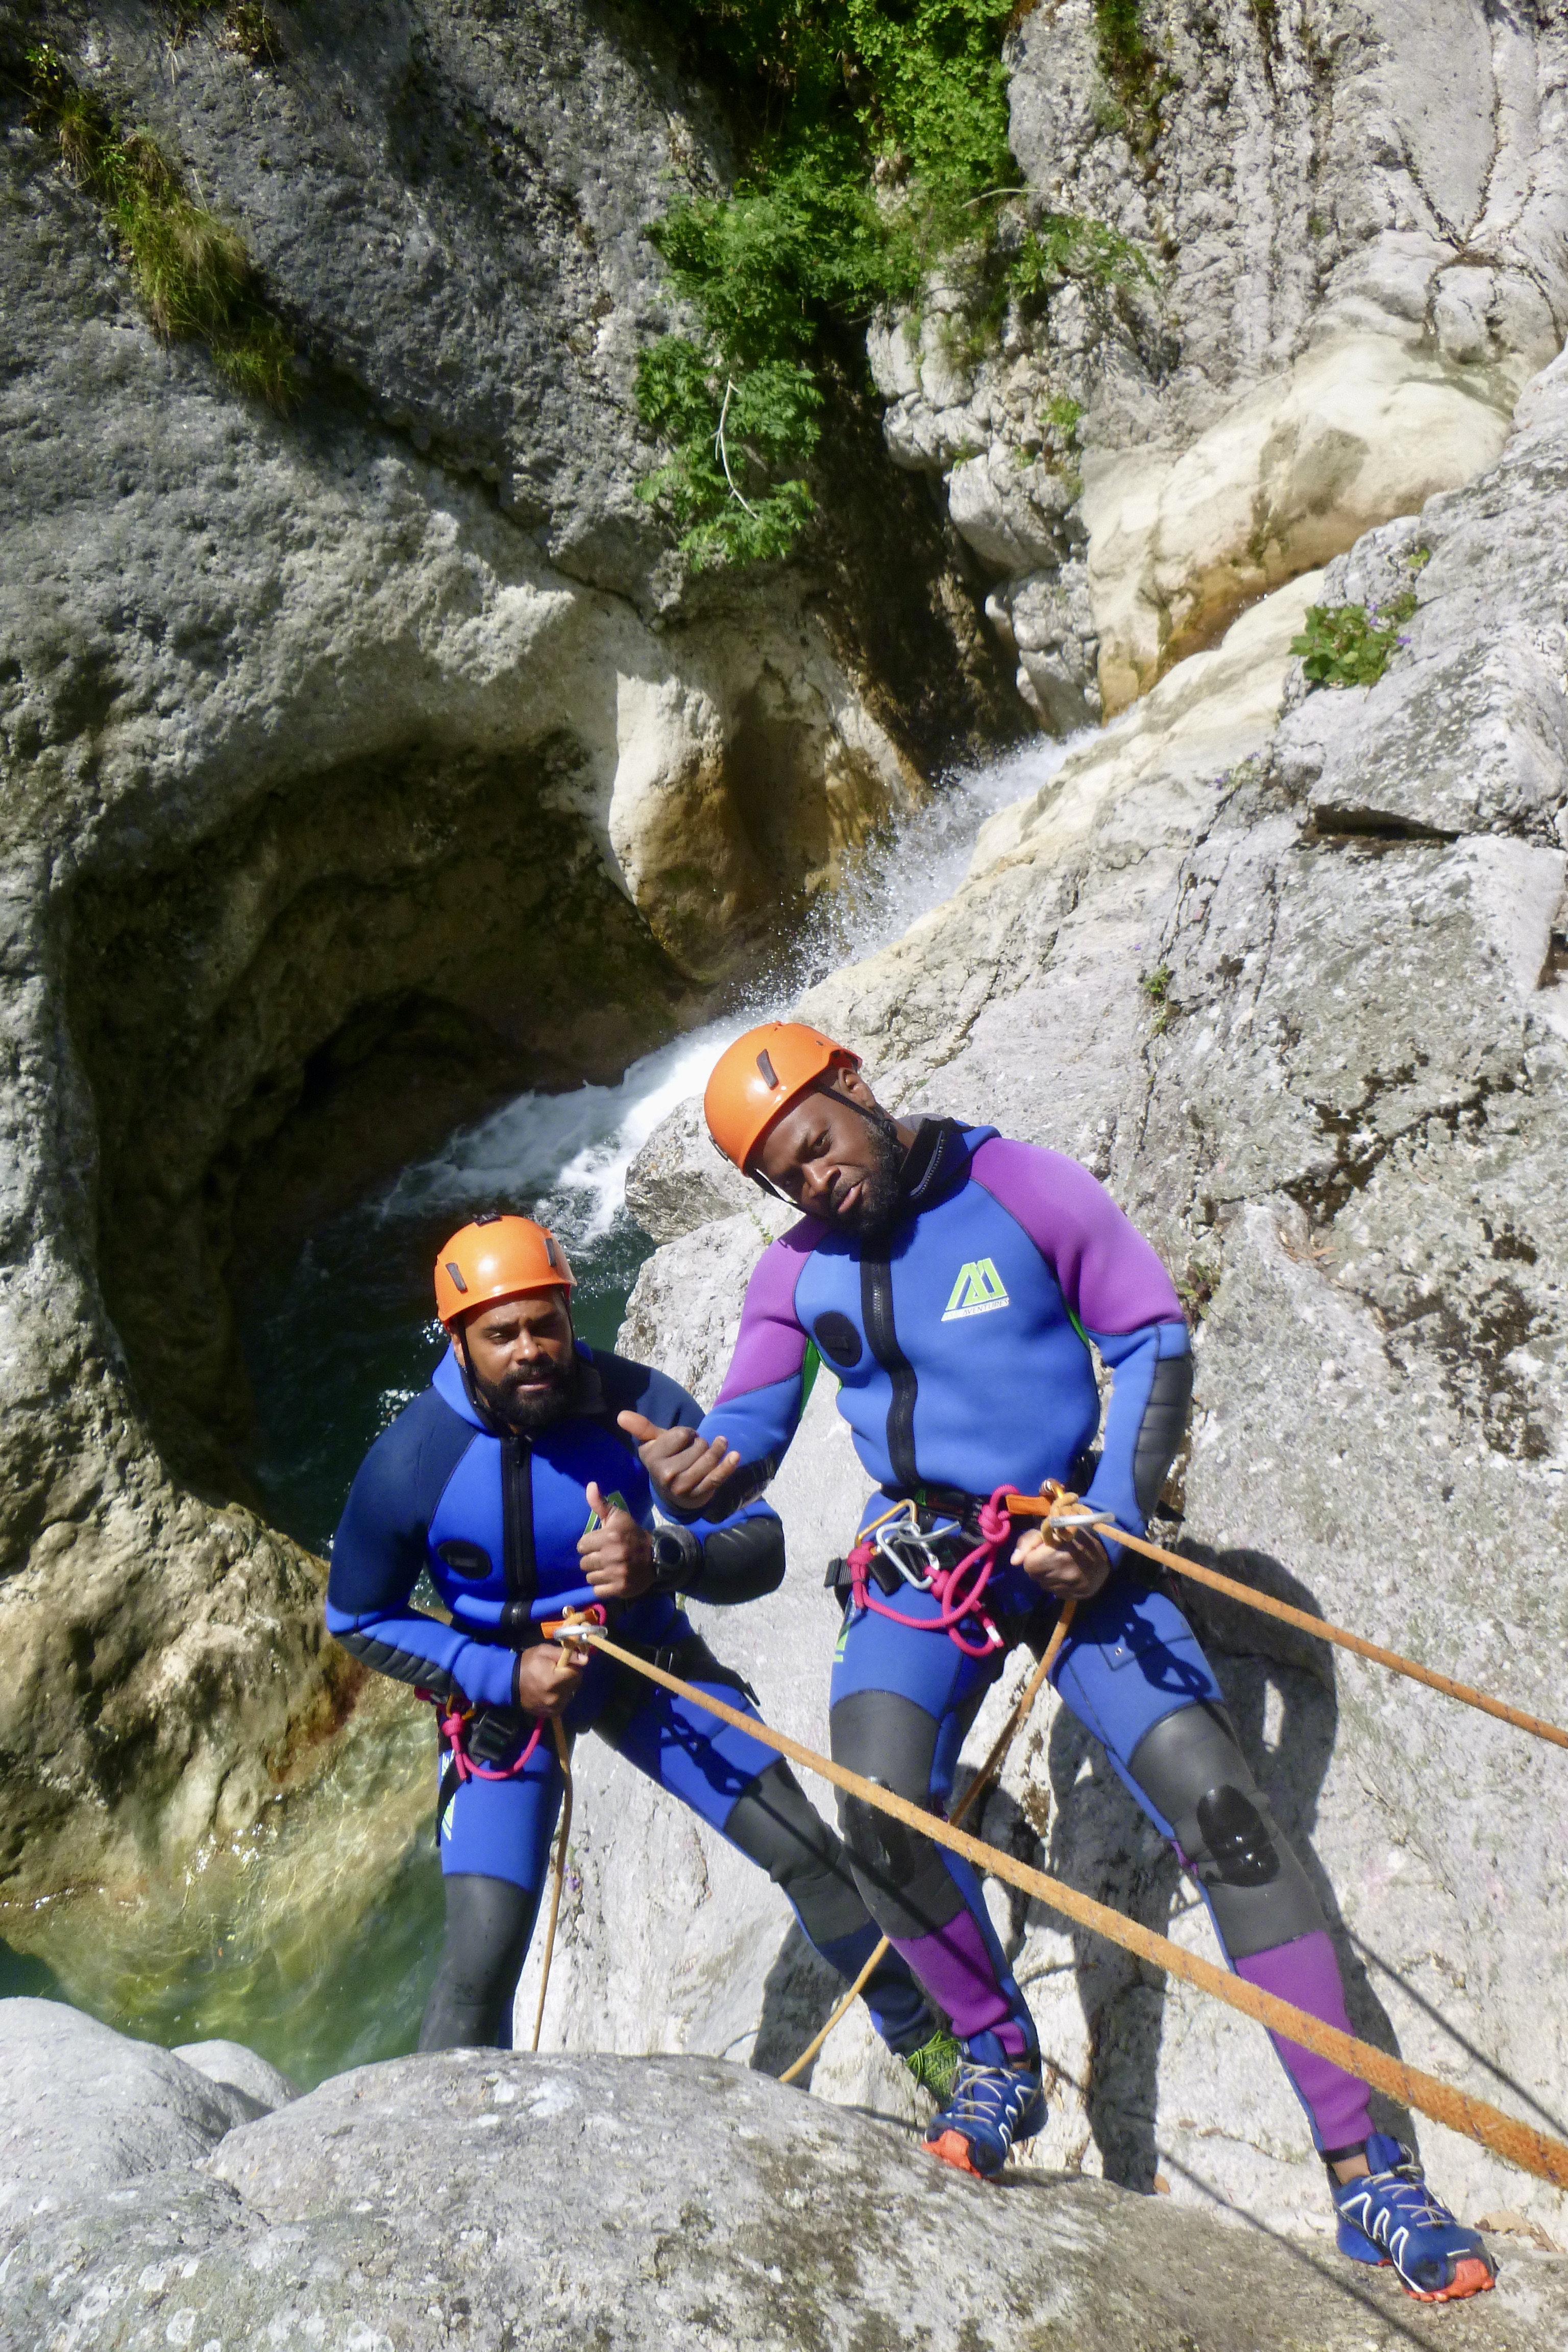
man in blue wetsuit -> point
(957, 1283)
(510, 1485)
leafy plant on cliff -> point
(874, 138)
(190, 270)
(1347, 644)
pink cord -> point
(954, 1599)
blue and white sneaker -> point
(1391, 2216)
(992, 2108)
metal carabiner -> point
(916, 1561)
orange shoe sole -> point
(1472, 2276)
(952, 2147)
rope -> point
(971, 1797)
(564, 1754)
(1518, 2143)
(1046, 1507)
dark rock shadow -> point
(798, 1995)
(1102, 1843)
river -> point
(314, 1938)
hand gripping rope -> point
(1518, 2143)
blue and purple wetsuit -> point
(491, 1519)
(961, 1340)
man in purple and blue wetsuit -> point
(957, 1284)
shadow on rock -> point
(1278, 1684)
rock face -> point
(361, 768)
(1293, 990)
(493, 2199)
(1360, 222)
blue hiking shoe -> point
(1392, 2216)
(993, 2105)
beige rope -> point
(1519, 2143)
(1050, 1507)
(564, 1752)
(975, 1791)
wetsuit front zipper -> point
(517, 1539)
(877, 1314)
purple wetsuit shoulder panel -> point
(1110, 1277)
(771, 1346)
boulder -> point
(236, 2068)
(489, 2199)
(85, 2109)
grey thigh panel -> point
(489, 1921)
(1195, 1774)
(776, 1826)
(909, 1889)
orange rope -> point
(565, 1753)
(1049, 1507)
(1519, 2143)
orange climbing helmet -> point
(759, 1075)
(497, 1257)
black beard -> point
(504, 1403)
(881, 1191)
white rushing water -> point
(574, 1149)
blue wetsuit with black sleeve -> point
(963, 1340)
(492, 1519)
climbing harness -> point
(1062, 1510)
(1519, 2143)
(898, 1538)
(961, 1812)
(453, 1726)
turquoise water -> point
(314, 1939)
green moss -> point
(249, 29)
(1349, 645)
(190, 270)
(1133, 70)
(1156, 987)
(873, 139)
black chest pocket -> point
(838, 1339)
(464, 1559)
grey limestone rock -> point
(85, 2108)
(1356, 229)
(1292, 986)
(236, 2068)
(497, 2199)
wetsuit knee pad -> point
(1191, 1768)
(889, 1740)
(775, 1825)
(489, 1922)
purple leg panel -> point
(958, 1972)
(1306, 1973)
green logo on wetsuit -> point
(617, 1502)
(978, 1289)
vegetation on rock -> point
(1349, 645)
(874, 140)
(190, 270)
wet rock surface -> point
(497, 2199)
